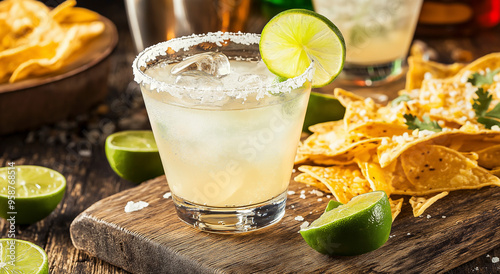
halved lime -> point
(18, 256)
(29, 193)
(360, 226)
(294, 38)
(133, 155)
(322, 108)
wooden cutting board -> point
(456, 229)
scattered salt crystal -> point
(292, 206)
(428, 216)
(167, 195)
(495, 260)
(319, 199)
(317, 192)
(408, 233)
(392, 236)
(444, 217)
(304, 225)
(328, 196)
(85, 153)
(299, 218)
(302, 191)
(487, 255)
(291, 192)
(132, 206)
(294, 170)
(302, 196)
(477, 268)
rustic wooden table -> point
(75, 148)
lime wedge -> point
(19, 256)
(37, 191)
(322, 108)
(332, 204)
(294, 38)
(133, 155)
(360, 226)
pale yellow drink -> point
(227, 137)
(228, 154)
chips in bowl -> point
(37, 41)
(441, 134)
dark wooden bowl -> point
(82, 84)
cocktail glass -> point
(227, 142)
(378, 34)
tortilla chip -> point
(345, 97)
(36, 41)
(420, 204)
(327, 127)
(378, 178)
(488, 62)
(344, 182)
(432, 169)
(390, 151)
(489, 157)
(419, 69)
(375, 129)
(307, 179)
(395, 207)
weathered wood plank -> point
(153, 240)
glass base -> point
(229, 220)
(372, 75)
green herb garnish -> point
(414, 123)
(482, 103)
(481, 106)
(478, 80)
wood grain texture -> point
(154, 240)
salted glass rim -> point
(185, 42)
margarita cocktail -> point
(227, 130)
(378, 34)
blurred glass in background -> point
(378, 34)
(153, 21)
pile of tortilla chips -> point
(35, 40)
(372, 148)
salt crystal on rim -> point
(176, 44)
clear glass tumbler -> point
(227, 131)
(378, 34)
